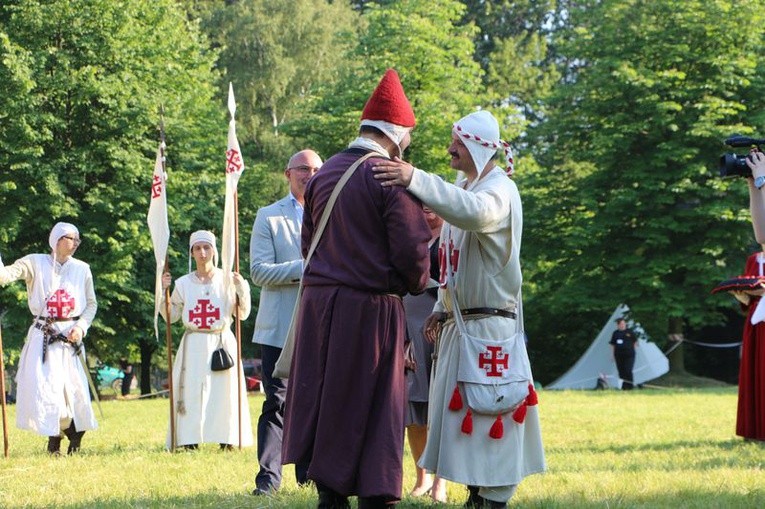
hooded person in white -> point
(206, 400)
(481, 241)
(52, 390)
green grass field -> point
(606, 449)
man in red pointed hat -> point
(346, 395)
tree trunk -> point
(676, 356)
(147, 350)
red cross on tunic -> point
(204, 314)
(454, 258)
(156, 187)
(233, 161)
(494, 360)
(60, 304)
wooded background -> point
(616, 111)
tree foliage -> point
(432, 54)
(86, 81)
(627, 206)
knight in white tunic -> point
(206, 400)
(52, 389)
(490, 452)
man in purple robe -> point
(346, 395)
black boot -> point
(54, 446)
(375, 503)
(329, 499)
(474, 499)
(75, 438)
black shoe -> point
(190, 447)
(375, 503)
(54, 446)
(260, 492)
(474, 499)
(75, 438)
(329, 499)
(226, 447)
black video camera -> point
(732, 164)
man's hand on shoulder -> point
(395, 172)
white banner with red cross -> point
(234, 169)
(158, 227)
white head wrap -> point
(396, 133)
(480, 133)
(203, 236)
(58, 231)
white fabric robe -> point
(50, 394)
(209, 397)
(485, 223)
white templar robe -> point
(482, 240)
(50, 394)
(209, 398)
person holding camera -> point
(756, 162)
(750, 418)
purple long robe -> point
(345, 400)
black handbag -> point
(221, 359)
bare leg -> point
(417, 436)
(438, 492)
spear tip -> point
(231, 101)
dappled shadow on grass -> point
(591, 448)
(292, 499)
(684, 499)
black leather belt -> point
(51, 319)
(50, 336)
(485, 311)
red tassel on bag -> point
(467, 423)
(532, 399)
(456, 402)
(520, 413)
(497, 429)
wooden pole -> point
(169, 344)
(168, 328)
(2, 391)
(238, 328)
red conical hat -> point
(389, 103)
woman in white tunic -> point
(206, 400)
(52, 389)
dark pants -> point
(270, 426)
(625, 361)
(126, 382)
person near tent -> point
(419, 366)
(346, 392)
(480, 265)
(206, 400)
(52, 394)
(623, 344)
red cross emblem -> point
(494, 360)
(454, 258)
(204, 314)
(233, 161)
(60, 304)
(156, 187)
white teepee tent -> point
(597, 361)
